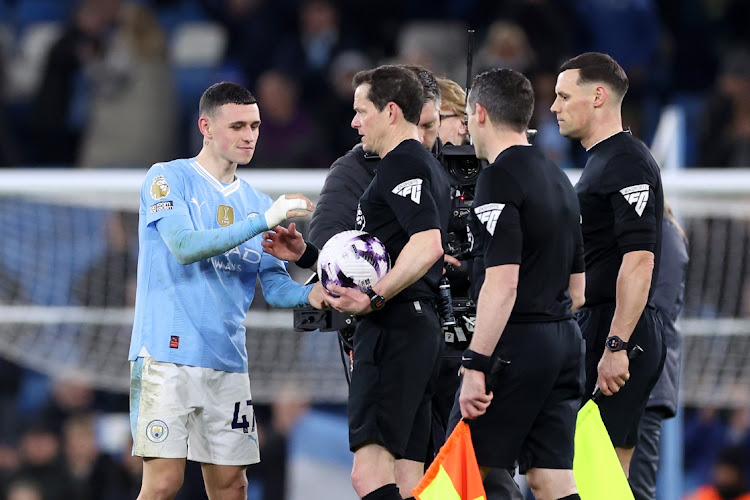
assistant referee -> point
(622, 204)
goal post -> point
(69, 241)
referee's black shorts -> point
(532, 416)
(397, 355)
(622, 411)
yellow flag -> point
(596, 467)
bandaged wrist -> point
(277, 213)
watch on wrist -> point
(615, 343)
(376, 301)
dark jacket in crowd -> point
(668, 298)
(345, 183)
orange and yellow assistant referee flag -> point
(454, 474)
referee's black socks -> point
(574, 496)
(387, 492)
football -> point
(353, 259)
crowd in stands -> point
(115, 83)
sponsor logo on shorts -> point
(162, 205)
(159, 187)
(157, 431)
(174, 341)
(225, 215)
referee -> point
(620, 194)
(527, 228)
(398, 341)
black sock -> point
(574, 496)
(387, 492)
(410, 498)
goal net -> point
(67, 276)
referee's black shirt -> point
(526, 212)
(409, 194)
(622, 204)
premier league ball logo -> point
(353, 259)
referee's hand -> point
(473, 400)
(613, 371)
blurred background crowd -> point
(116, 83)
(82, 81)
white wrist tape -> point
(277, 213)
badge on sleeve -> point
(159, 187)
(637, 196)
(410, 189)
(488, 215)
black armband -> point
(309, 257)
(474, 361)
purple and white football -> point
(353, 259)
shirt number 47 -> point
(242, 423)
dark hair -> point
(393, 84)
(598, 67)
(223, 93)
(429, 83)
(507, 96)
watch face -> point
(614, 343)
(377, 302)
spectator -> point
(60, 108)
(290, 137)
(253, 26)
(506, 46)
(92, 472)
(725, 127)
(309, 53)
(131, 82)
(336, 106)
(39, 453)
(110, 281)
(9, 155)
(24, 489)
(729, 479)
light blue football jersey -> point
(192, 314)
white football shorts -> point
(202, 414)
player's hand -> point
(287, 206)
(473, 399)
(318, 297)
(613, 371)
(450, 260)
(349, 300)
(283, 243)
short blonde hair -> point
(453, 96)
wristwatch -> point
(376, 301)
(615, 343)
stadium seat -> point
(198, 43)
(170, 17)
(30, 12)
